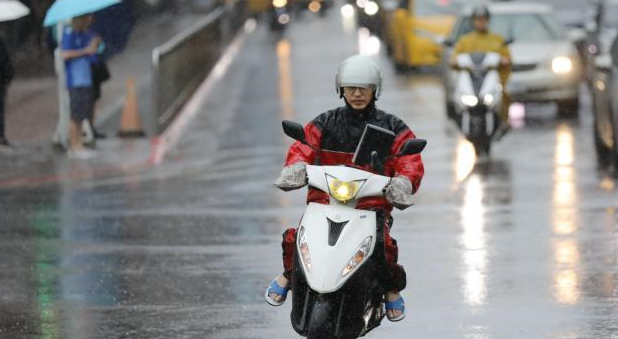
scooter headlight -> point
(469, 100)
(561, 65)
(489, 99)
(303, 247)
(359, 255)
(344, 191)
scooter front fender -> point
(333, 234)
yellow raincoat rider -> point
(481, 40)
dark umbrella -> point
(114, 24)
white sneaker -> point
(82, 154)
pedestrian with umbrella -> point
(73, 58)
(9, 10)
(79, 47)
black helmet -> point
(481, 11)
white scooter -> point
(478, 98)
(336, 281)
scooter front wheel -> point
(482, 147)
(321, 324)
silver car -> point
(546, 65)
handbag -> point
(100, 72)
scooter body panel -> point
(328, 303)
(328, 261)
(480, 80)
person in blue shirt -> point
(79, 47)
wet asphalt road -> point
(524, 246)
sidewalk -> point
(37, 164)
(32, 103)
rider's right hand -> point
(292, 177)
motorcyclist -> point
(482, 40)
(335, 134)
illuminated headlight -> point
(359, 255)
(343, 191)
(303, 247)
(280, 3)
(489, 99)
(561, 65)
(469, 100)
(361, 3)
(315, 6)
(284, 19)
(371, 8)
(347, 11)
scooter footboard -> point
(356, 308)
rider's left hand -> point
(399, 192)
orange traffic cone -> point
(130, 125)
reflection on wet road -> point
(522, 246)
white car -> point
(546, 65)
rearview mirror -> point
(413, 146)
(591, 27)
(603, 63)
(576, 35)
(294, 130)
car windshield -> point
(571, 12)
(520, 27)
(568, 5)
(439, 7)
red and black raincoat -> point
(336, 134)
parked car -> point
(605, 104)
(416, 25)
(546, 65)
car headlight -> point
(371, 8)
(343, 191)
(561, 65)
(280, 3)
(489, 99)
(347, 11)
(284, 19)
(359, 255)
(469, 100)
(303, 246)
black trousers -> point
(2, 103)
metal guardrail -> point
(181, 64)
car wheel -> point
(450, 109)
(401, 68)
(389, 49)
(568, 108)
(614, 152)
(604, 153)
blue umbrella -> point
(63, 10)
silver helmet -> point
(359, 71)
